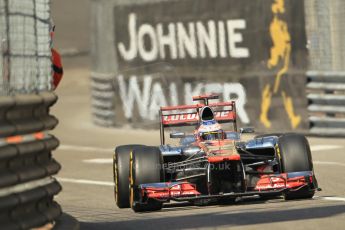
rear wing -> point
(182, 116)
(188, 115)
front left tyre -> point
(145, 167)
(121, 174)
(295, 156)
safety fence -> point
(27, 187)
(326, 34)
(326, 82)
(25, 55)
(326, 96)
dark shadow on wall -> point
(221, 219)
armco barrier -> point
(27, 187)
(326, 95)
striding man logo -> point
(279, 61)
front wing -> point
(273, 184)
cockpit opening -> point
(207, 114)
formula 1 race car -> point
(211, 163)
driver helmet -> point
(210, 130)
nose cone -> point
(220, 151)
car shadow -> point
(216, 218)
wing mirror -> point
(177, 135)
(247, 130)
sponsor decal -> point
(195, 39)
(149, 96)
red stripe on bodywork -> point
(269, 182)
(179, 190)
(216, 159)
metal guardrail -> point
(103, 99)
(27, 187)
(326, 96)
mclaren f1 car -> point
(210, 162)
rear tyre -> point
(295, 156)
(121, 174)
(145, 167)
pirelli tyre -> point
(121, 174)
(295, 156)
(145, 167)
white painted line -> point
(110, 161)
(81, 181)
(328, 163)
(332, 198)
(99, 161)
(315, 148)
(111, 184)
(86, 149)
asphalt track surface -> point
(86, 151)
